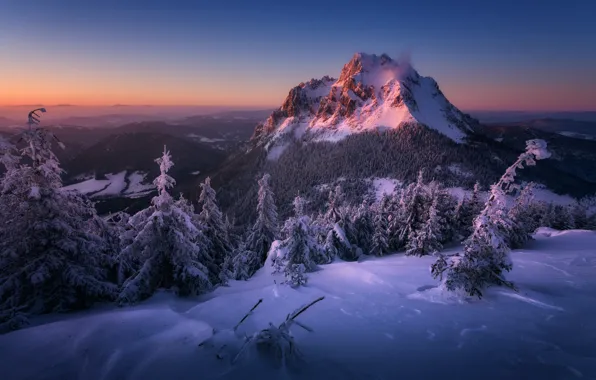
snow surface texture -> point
(372, 93)
(381, 319)
(119, 184)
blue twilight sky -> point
(522, 55)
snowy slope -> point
(120, 184)
(380, 319)
(372, 93)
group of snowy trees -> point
(57, 254)
(51, 259)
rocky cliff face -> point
(372, 93)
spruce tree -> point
(300, 246)
(485, 257)
(169, 245)
(521, 218)
(214, 228)
(380, 239)
(336, 199)
(579, 215)
(427, 240)
(394, 208)
(563, 218)
(469, 211)
(364, 227)
(415, 210)
(265, 229)
(49, 259)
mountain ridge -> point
(372, 93)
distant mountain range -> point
(565, 127)
(379, 119)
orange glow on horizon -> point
(89, 88)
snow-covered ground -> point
(120, 184)
(380, 319)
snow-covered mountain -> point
(372, 93)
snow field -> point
(382, 318)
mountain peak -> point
(372, 92)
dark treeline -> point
(399, 153)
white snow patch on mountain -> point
(379, 316)
(136, 183)
(384, 186)
(89, 186)
(119, 184)
(578, 135)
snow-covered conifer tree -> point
(395, 211)
(340, 237)
(49, 261)
(169, 245)
(563, 218)
(214, 226)
(548, 215)
(521, 218)
(336, 198)
(414, 208)
(486, 254)
(579, 215)
(265, 229)
(364, 227)
(427, 240)
(447, 209)
(300, 246)
(380, 239)
(469, 211)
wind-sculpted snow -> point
(380, 319)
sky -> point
(485, 55)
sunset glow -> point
(486, 57)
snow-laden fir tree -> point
(446, 209)
(395, 211)
(340, 237)
(336, 199)
(364, 227)
(579, 215)
(300, 247)
(548, 215)
(265, 229)
(415, 209)
(485, 257)
(214, 228)
(562, 218)
(521, 216)
(169, 245)
(469, 210)
(427, 240)
(49, 261)
(380, 239)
